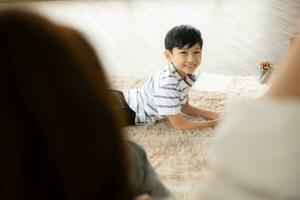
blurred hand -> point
(143, 197)
(294, 38)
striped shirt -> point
(162, 95)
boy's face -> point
(185, 60)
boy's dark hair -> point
(182, 35)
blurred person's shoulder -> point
(254, 152)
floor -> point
(128, 34)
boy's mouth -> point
(189, 66)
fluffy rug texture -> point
(179, 156)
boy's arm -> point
(198, 112)
(178, 122)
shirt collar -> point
(190, 79)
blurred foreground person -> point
(256, 152)
(60, 137)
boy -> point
(165, 95)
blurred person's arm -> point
(253, 155)
(287, 82)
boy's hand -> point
(199, 112)
(216, 115)
(178, 122)
(213, 115)
(213, 123)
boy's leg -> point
(123, 108)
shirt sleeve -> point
(167, 101)
(255, 154)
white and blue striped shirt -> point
(163, 95)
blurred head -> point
(294, 38)
(60, 138)
(183, 48)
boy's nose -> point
(191, 59)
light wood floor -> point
(128, 35)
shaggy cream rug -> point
(179, 157)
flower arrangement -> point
(266, 68)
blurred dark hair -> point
(60, 138)
(182, 35)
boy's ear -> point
(167, 54)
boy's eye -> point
(182, 52)
(197, 52)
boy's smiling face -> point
(185, 60)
